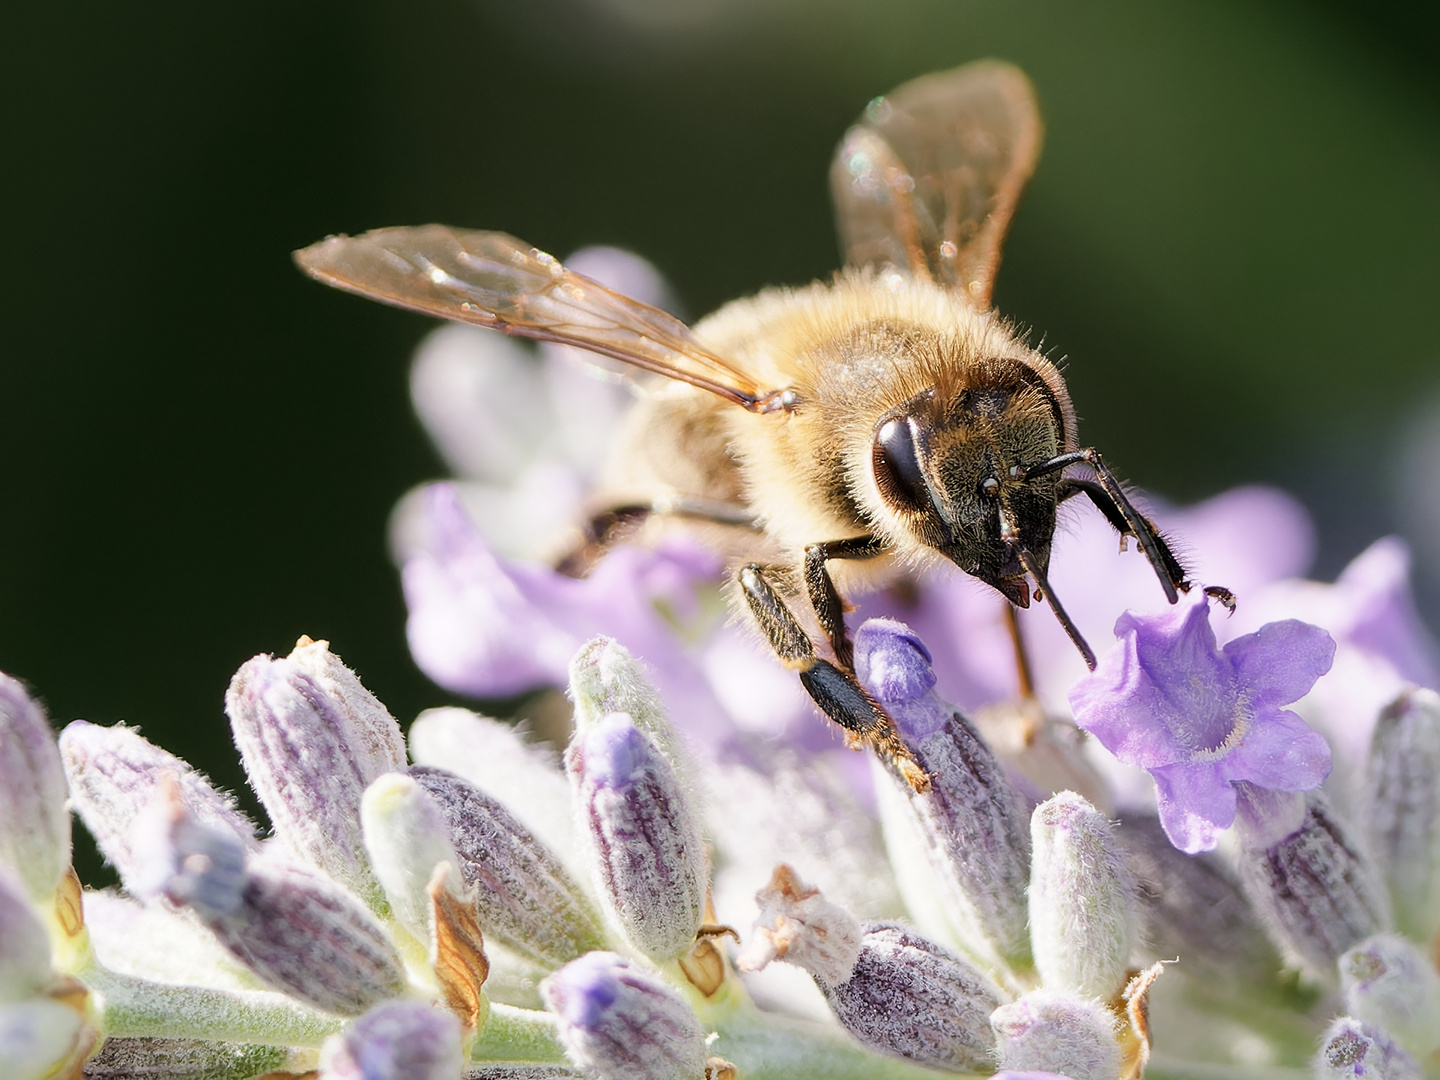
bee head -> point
(950, 470)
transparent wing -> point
(927, 179)
(491, 279)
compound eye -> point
(897, 465)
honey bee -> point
(842, 433)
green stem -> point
(765, 1047)
(132, 1006)
(519, 1036)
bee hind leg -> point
(834, 689)
(612, 525)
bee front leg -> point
(835, 689)
(820, 587)
(1110, 499)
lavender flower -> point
(1199, 719)
(623, 1022)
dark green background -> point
(1234, 236)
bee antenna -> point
(1032, 564)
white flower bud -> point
(1054, 1031)
(1081, 899)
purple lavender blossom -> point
(1199, 719)
(621, 1021)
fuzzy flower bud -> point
(24, 946)
(41, 1039)
(1081, 899)
(312, 739)
(297, 932)
(525, 898)
(605, 678)
(396, 1040)
(1052, 1030)
(1353, 1050)
(644, 841)
(1402, 802)
(1390, 983)
(114, 773)
(1315, 890)
(801, 927)
(971, 822)
(909, 997)
(406, 837)
(34, 822)
(623, 1022)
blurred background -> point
(1234, 237)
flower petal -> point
(1195, 804)
(1282, 752)
(1280, 662)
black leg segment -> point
(820, 587)
(834, 689)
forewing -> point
(926, 181)
(491, 279)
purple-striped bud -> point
(1390, 983)
(909, 997)
(605, 678)
(1402, 804)
(114, 774)
(182, 1059)
(1315, 890)
(1082, 899)
(1353, 1050)
(798, 925)
(34, 821)
(622, 1022)
(312, 739)
(971, 823)
(396, 1040)
(644, 841)
(1050, 1030)
(525, 898)
(24, 945)
(298, 932)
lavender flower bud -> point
(525, 898)
(182, 1059)
(113, 775)
(971, 820)
(42, 1038)
(406, 837)
(34, 822)
(1315, 891)
(605, 678)
(1192, 907)
(909, 997)
(1402, 788)
(1353, 1050)
(623, 1022)
(1051, 1030)
(644, 841)
(801, 927)
(312, 739)
(1081, 899)
(396, 1040)
(297, 932)
(24, 945)
(1390, 983)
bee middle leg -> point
(834, 689)
(603, 530)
